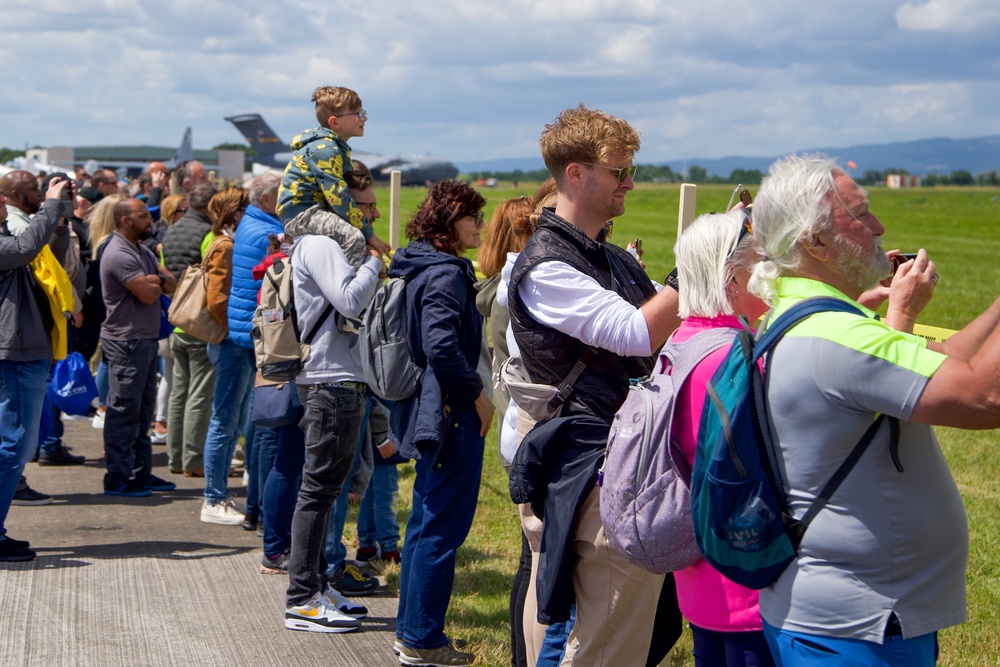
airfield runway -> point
(137, 582)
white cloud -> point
(467, 80)
(949, 16)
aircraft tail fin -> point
(258, 134)
(184, 152)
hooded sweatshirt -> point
(321, 275)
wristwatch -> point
(163, 280)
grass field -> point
(959, 227)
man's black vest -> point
(549, 354)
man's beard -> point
(144, 233)
(863, 268)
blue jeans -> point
(730, 649)
(234, 372)
(52, 431)
(334, 414)
(131, 401)
(377, 522)
(260, 453)
(22, 390)
(103, 383)
(798, 649)
(554, 644)
(444, 503)
(282, 488)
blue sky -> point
(468, 81)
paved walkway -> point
(143, 581)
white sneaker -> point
(98, 420)
(315, 615)
(343, 605)
(158, 438)
(223, 513)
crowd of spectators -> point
(88, 265)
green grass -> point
(959, 227)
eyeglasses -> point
(623, 172)
(360, 113)
(479, 220)
(371, 206)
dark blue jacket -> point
(249, 248)
(445, 333)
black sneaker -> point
(25, 495)
(249, 522)
(22, 544)
(60, 457)
(126, 488)
(12, 551)
(366, 554)
(352, 582)
(154, 483)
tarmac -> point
(142, 581)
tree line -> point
(647, 173)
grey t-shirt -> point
(127, 317)
(888, 541)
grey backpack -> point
(645, 479)
(388, 366)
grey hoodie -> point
(322, 275)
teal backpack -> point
(742, 523)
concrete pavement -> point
(143, 581)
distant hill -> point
(922, 157)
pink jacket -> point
(707, 599)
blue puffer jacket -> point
(445, 331)
(249, 248)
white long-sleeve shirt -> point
(559, 296)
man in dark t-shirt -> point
(132, 283)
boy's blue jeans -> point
(377, 522)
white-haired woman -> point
(715, 257)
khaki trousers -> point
(615, 601)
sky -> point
(477, 80)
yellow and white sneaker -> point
(316, 615)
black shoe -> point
(126, 488)
(25, 495)
(154, 483)
(23, 544)
(249, 522)
(11, 551)
(60, 457)
(352, 582)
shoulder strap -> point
(315, 328)
(566, 386)
(845, 468)
(796, 314)
(796, 528)
(211, 248)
